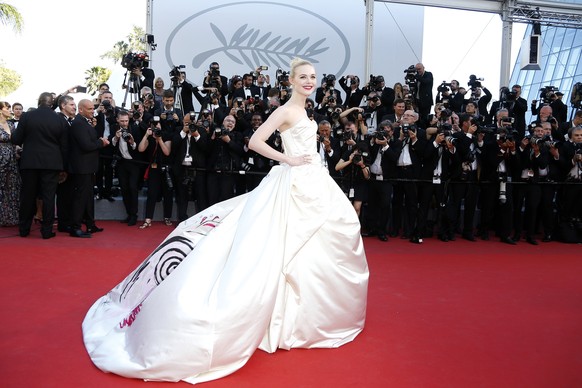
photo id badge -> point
(351, 193)
(188, 159)
(251, 160)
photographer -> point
(213, 79)
(424, 99)
(183, 89)
(355, 172)
(463, 172)
(224, 157)
(170, 117)
(327, 89)
(434, 177)
(354, 94)
(374, 112)
(149, 102)
(386, 94)
(499, 159)
(571, 161)
(140, 75)
(263, 83)
(106, 120)
(248, 89)
(384, 153)
(157, 147)
(254, 162)
(532, 157)
(328, 148)
(405, 200)
(125, 157)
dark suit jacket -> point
(241, 92)
(44, 139)
(84, 146)
(197, 149)
(425, 83)
(389, 157)
(334, 158)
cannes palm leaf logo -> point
(245, 46)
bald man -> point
(83, 162)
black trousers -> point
(221, 186)
(572, 201)
(128, 175)
(65, 203)
(527, 196)
(466, 192)
(83, 207)
(157, 186)
(188, 180)
(492, 206)
(405, 203)
(104, 175)
(379, 205)
(42, 184)
(426, 192)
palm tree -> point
(9, 16)
(96, 76)
(9, 80)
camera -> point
(507, 121)
(381, 134)
(221, 131)
(347, 135)
(548, 93)
(132, 61)
(406, 128)
(328, 80)
(376, 82)
(109, 110)
(410, 74)
(153, 123)
(444, 87)
(125, 135)
(357, 158)
(175, 74)
(136, 114)
(540, 140)
(169, 115)
(282, 76)
(169, 182)
(506, 134)
(474, 82)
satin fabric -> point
(280, 267)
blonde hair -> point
(295, 63)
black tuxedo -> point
(84, 148)
(484, 102)
(320, 93)
(186, 97)
(241, 92)
(223, 88)
(44, 137)
(190, 176)
(424, 98)
(223, 159)
(331, 160)
(129, 171)
(380, 187)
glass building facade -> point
(560, 65)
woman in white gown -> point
(280, 267)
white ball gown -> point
(280, 267)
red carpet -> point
(455, 314)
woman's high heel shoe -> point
(37, 220)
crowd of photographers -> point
(413, 166)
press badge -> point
(251, 160)
(379, 178)
(351, 193)
(188, 159)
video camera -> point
(175, 73)
(547, 94)
(410, 74)
(328, 81)
(474, 82)
(132, 61)
(376, 82)
(444, 87)
(282, 76)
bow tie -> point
(247, 88)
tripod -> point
(132, 88)
(177, 95)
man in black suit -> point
(248, 90)
(106, 120)
(354, 94)
(83, 163)
(183, 90)
(214, 79)
(384, 153)
(189, 151)
(424, 99)
(65, 189)
(328, 147)
(128, 170)
(45, 136)
(576, 121)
